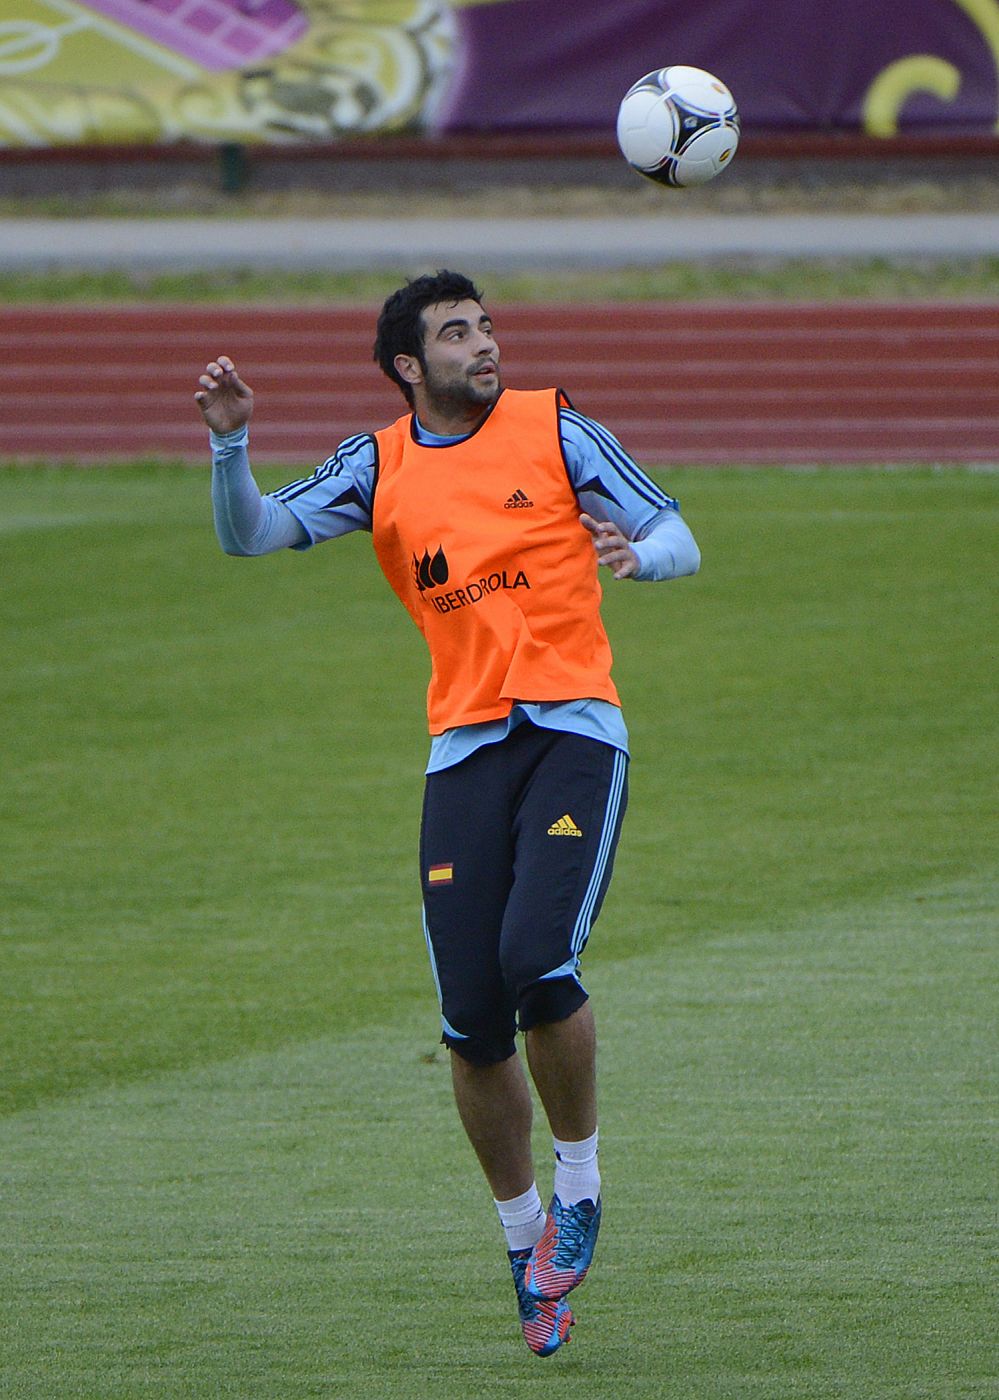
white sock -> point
(577, 1176)
(523, 1219)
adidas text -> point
(565, 826)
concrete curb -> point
(483, 245)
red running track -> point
(693, 383)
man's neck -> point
(444, 420)
(423, 434)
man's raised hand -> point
(225, 401)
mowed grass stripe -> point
(796, 1148)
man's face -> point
(460, 356)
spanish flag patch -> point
(441, 874)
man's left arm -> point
(637, 529)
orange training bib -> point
(481, 540)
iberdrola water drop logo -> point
(430, 572)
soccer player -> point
(490, 510)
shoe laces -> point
(519, 1266)
(573, 1229)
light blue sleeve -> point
(337, 497)
(334, 500)
(610, 485)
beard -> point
(454, 395)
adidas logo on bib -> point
(565, 826)
(518, 501)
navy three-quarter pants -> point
(516, 850)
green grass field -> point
(230, 1162)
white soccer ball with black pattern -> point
(679, 126)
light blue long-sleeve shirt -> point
(337, 499)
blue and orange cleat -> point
(545, 1325)
(561, 1258)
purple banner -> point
(793, 65)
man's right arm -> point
(245, 521)
(333, 501)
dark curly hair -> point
(400, 329)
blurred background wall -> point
(159, 72)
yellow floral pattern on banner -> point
(150, 71)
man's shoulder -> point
(356, 453)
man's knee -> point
(481, 1050)
(549, 999)
(478, 1029)
(488, 1039)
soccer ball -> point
(678, 126)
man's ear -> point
(408, 368)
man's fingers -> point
(598, 528)
(210, 380)
(613, 549)
(220, 369)
(220, 375)
(617, 556)
(225, 402)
